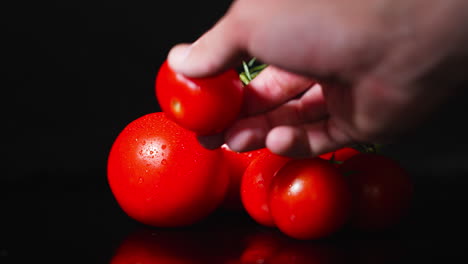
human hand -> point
(383, 68)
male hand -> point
(382, 68)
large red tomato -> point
(309, 199)
(161, 176)
(382, 191)
(203, 105)
(255, 186)
(236, 163)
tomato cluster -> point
(317, 197)
(161, 176)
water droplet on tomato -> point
(164, 162)
(140, 180)
(163, 147)
(151, 152)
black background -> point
(76, 73)
(76, 76)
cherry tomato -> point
(340, 155)
(382, 191)
(203, 105)
(236, 163)
(255, 186)
(309, 199)
(161, 176)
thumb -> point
(220, 48)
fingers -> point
(273, 87)
(250, 133)
(274, 33)
(306, 140)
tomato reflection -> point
(250, 245)
(275, 248)
(148, 246)
(177, 246)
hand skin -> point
(383, 67)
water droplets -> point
(164, 162)
(140, 180)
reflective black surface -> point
(85, 225)
(77, 73)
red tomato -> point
(161, 176)
(255, 186)
(203, 105)
(309, 199)
(340, 155)
(382, 191)
(236, 163)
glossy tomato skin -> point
(236, 164)
(255, 186)
(382, 191)
(309, 199)
(203, 105)
(161, 176)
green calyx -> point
(250, 70)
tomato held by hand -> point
(255, 186)
(382, 191)
(309, 199)
(161, 176)
(203, 105)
